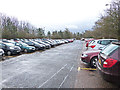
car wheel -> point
(25, 51)
(9, 53)
(93, 62)
(3, 57)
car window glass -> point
(109, 49)
(9, 44)
(3, 45)
(98, 42)
(105, 42)
(0, 45)
(92, 42)
(24, 44)
(116, 54)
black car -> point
(35, 44)
(10, 48)
(2, 54)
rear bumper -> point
(113, 78)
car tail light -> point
(86, 44)
(109, 63)
(92, 46)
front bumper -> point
(85, 59)
(15, 51)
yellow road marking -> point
(86, 69)
(78, 68)
(10, 56)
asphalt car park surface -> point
(58, 67)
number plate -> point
(99, 61)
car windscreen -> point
(24, 44)
(35, 42)
(109, 49)
(10, 44)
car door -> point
(4, 47)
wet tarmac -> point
(53, 68)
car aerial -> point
(90, 57)
(100, 43)
(109, 63)
(10, 48)
(2, 54)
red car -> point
(90, 57)
(109, 63)
(88, 41)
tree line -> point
(59, 34)
(108, 25)
(12, 28)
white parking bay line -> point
(52, 76)
(66, 77)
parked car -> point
(2, 54)
(46, 45)
(88, 42)
(25, 47)
(90, 57)
(82, 39)
(35, 44)
(100, 43)
(70, 40)
(109, 63)
(10, 48)
(48, 42)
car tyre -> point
(93, 62)
(25, 51)
(3, 57)
(9, 53)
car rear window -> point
(116, 54)
(109, 49)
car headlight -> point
(11, 47)
(84, 55)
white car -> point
(100, 43)
(2, 54)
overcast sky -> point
(77, 15)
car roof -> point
(107, 39)
(117, 43)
